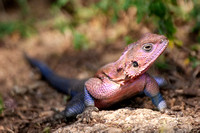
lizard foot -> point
(86, 116)
(171, 112)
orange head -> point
(139, 56)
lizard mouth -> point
(149, 60)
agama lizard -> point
(115, 81)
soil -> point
(29, 101)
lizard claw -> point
(86, 116)
(171, 112)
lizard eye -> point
(147, 47)
(135, 64)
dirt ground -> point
(28, 100)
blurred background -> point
(76, 37)
(100, 21)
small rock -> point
(128, 120)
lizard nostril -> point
(162, 40)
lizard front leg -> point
(152, 91)
(73, 108)
(83, 103)
(96, 88)
(89, 107)
(160, 80)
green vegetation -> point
(128, 39)
(23, 4)
(46, 130)
(61, 25)
(24, 26)
(25, 29)
(1, 105)
(161, 63)
(57, 5)
(79, 40)
(195, 61)
(161, 14)
(195, 14)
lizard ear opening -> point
(135, 64)
(119, 69)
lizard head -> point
(140, 56)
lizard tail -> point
(45, 71)
(61, 84)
